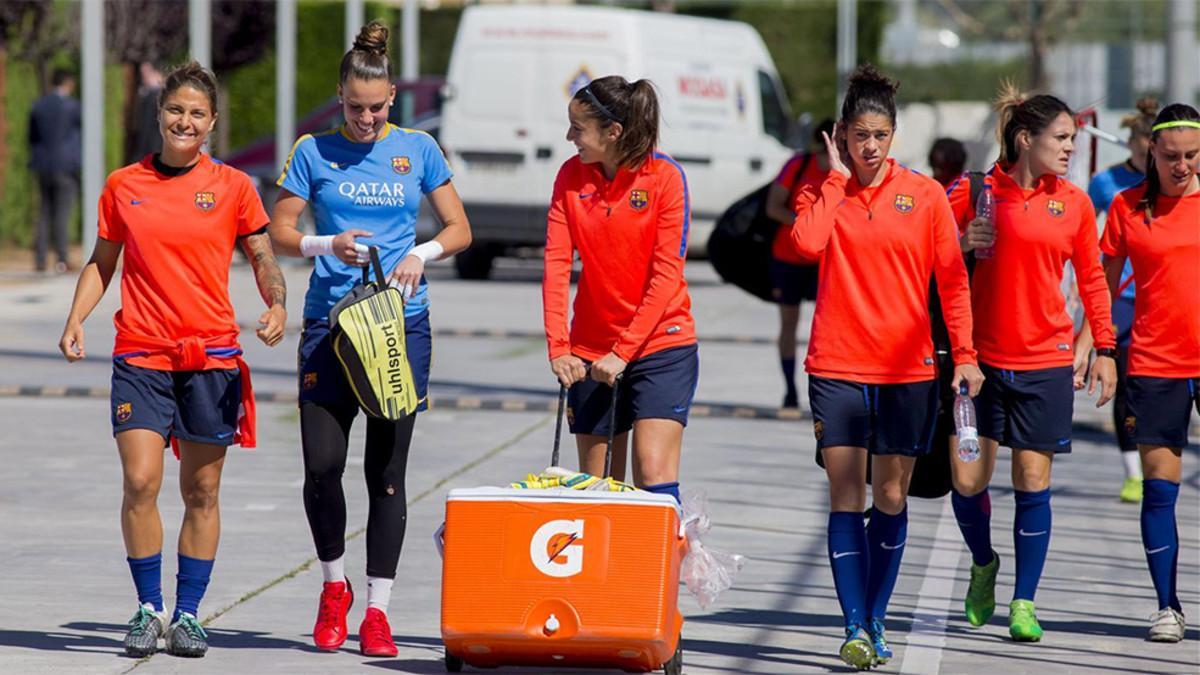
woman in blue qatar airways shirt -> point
(364, 183)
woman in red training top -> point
(793, 279)
(879, 230)
(1025, 337)
(1156, 225)
(623, 207)
(177, 367)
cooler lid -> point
(565, 495)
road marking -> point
(923, 653)
(261, 507)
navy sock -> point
(191, 582)
(1161, 538)
(974, 516)
(848, 556)
(147, 578)
(885, 536)
(671, 488)
(1031, 537)
(789, 375)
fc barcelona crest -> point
(904, 203)
(309, 381)
(1056, 208)
(205, 201)
(401, 165)
(638, 199)
(124, 412)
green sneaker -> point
(857, 651)
(981, 594)
(1131, 490)
(186, 637)
(145, 628)
(1022, 622)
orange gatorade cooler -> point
(561, 577)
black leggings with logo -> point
(325, 437)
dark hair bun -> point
(373, 39)
(867, 77)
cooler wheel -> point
(453, 663)
(675, 665)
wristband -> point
(1107, 351)
(313, 245)
(430, 250)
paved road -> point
(66, 589)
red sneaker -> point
(375, 635)
(330, 630)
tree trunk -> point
(3, 119)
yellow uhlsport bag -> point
(367, 330)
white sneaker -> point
(1166, 625)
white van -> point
(514, 69)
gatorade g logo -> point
(556, 549)
(1056, 208)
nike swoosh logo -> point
(1023, 533)
(680, 408)
(135, 202)
(225, 434)
(843, 554)
(890, 548)
(583, 196)
(1160, 549)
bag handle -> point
(612, 426)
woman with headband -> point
(623, 206)
(1156, 227)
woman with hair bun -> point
(178, 374)
(1156, 227)
(364, 181)
(1024, 336)
(879, 231)
(623, 206)
(1103, 187)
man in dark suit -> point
(54, 142)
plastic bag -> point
(706, 571)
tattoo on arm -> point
(271, 284)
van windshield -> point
(775, 116)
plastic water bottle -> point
(964, 423)
(985, 207)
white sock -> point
(379, 591)
(334, 570)
(1133, 464)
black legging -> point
(325, 436)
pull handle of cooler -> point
(612, 426)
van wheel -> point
(675, 665)
(453, 663)
(475, 262)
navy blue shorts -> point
(1027, 409)
(323, 380)
(791, 284)
(192, 405)
(656, 386)
(886, 419)
(1160, 409)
